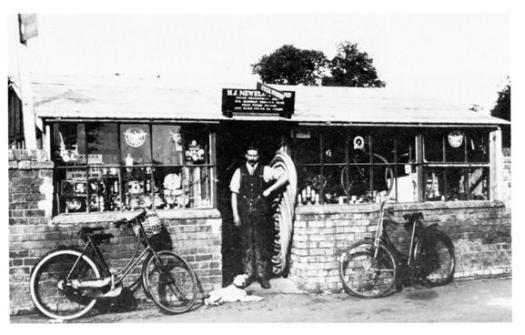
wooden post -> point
(213, 169)
(496, 164)
(23, 62)
(47, 141)
(419, 168)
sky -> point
(462, 58)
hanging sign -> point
(27, 26)
(270, 91)
(257, 102)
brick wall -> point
(196, 234)
(480, 231)
(30, 187)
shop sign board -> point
(257, 102)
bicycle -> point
(371, 268)
(67, 282)
(359, 174)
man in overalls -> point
(251, 185)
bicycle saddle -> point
(411, 218)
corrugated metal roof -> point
(125, 98)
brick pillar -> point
(30, 210)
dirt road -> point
(486, 300)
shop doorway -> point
(232, 140)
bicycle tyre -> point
(45, 278)
(436, 252)
(358, 280)
(176, 271)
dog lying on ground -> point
(232, 293)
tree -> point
(502, 110)
(292, 66)
(353, 68)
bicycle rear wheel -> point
(170, 282)
(437, 259)
(365, 276)
(51, 295)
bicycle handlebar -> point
(127, 221)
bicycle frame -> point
(382, 237)
(133, 261)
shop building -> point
(113, 145)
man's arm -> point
(235, 184)
(283, 179)
(235, 210)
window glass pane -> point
(309, 182)
(478, 183)
(383, 144)
(72, 190)
(182, 187)
(137, 187)
(198, 186)
(435, 188)
(173, 187)
(383, 180)
(478, 147)
(306, 146)
(356, 181)
(405, 146)
(445, 184)
(334, 146)
(196, 145)
(333, 190)
(102, 143)
(455, 180)
(433, 147)
(168, 144)
(68, 144)
(359, 147)
(135, 144)
(104, 189)
(404, 186)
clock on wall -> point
(455, 138)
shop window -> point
(110, 166)
(341, 165)
(362, 165)
(458, 169)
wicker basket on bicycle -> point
(158, 236)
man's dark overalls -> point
(255, 227)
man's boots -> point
(265, 283)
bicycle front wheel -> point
(170, 282)
(364, 275)
(437, 259)
(50, 292)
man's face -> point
(252, 157)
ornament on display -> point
(359, 143)
(176, 138)
(68, 155)
(135, 137)
(195, 153)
